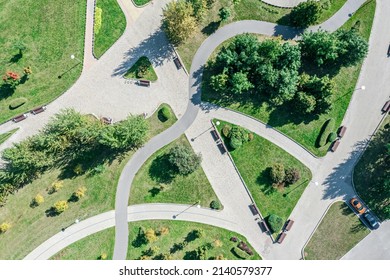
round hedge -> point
(17, 102)
(215, 205)
(165, 112)
(235, 143)
(275, 222)
(327, 129)
(332, 136)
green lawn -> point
(245, 10)
(5, 136)
(339, 231)
(154, 184)
(372, 170)
(113, 26)
(140, 3)
(91, 247)
(305, 130)
(253, 160)
(31, 227)
(149, 73)
(51, 32)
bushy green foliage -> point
(226, 130)
(275, 222)
(97, 20)
(326, 130)
(165, 112)
(332, 136)
(277, 173)
(224, 13)
(235, 143)
(305, 13)
(60, 206)
(184, 159)
(200, 8)
(215, 205)
(292, 175)
(17, 102)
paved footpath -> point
(283, 3)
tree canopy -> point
(305, 13)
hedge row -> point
(327, 129)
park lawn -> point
(5, 136)
(149, 75)
(245, 10)
(113, 26)
(253, 160)
(140, 3)
(339, 231)
(304, 129)
(154, 184)
(51, 32)
(31, 226)
(91, 247)
(371, 172)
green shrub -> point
(240, 133)
(326, 130)
(215, 205)
(97, 20)
(226, 130)
(235, 143)
(275, 222)
(332, 136)
(250, 136)
(165, 112)
(292, 176)
(277, 173)
(17, 102)
(37, 200)
(60, 206)
(4, 227)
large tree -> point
(184, 159)
(200, 8)
(178, 21)
(305, 13)
(353, 47)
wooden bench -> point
(335, 145)
(144, 83)
(263, 226)
(106, 120)
(289, 225)
(342, 130)
(386, 107)
(215, 135)
(38, 110)
(281, 237)
(222, 148)
(254, 209)
(177, 62)
(20, 118)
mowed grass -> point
(154, 184)
(113, 26)
(303, 129)
(5, 136)
(91, 247)
(339, 231)
(51, 31)
(149, 75)
(372, 170)
(253, 160)
(31, 226)
(245, 10)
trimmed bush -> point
(60, 206)
(277, 173)
(215, 205)
(326, 130)
(226, 130)
(97, 20)
(235, 143)
(17, 102)
(275, 223)
(332, 136)
(165, 112)
(239, 253)
(292, 176)
(4, 227)
(103, 256)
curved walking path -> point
(283, 3)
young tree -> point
(4, 227)
(305, 13)
(292, 175)
(150, 235)
(178, 21)
(200, 8)
(304, 102)
(354, 47)
(224, 13)
(275, 222)
(20, 46)
(11, 79)
(240, 83)
(60, 206)
(277, 173)
(184, 159)
(37, 200)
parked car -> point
(370, 219)
(357, 205)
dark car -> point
(370, 219)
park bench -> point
(177, 62)
(263, 226)
(289, 225)
(38, 110)
(144, 83)
(386, 107)
(20, 118)
(215, 135)
(221, 148)
(254, 209)
(335, 145)
(281, 237)
(106, 120)
(342, 130)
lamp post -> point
(75, 222)
(73, 57)
(197, 204)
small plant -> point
(78, 169)
(56, 186)
(27, 70)
(220, 257)
(103, 256)
(233, 239)
(11, 79)
(37, 200)
(165, 112)
(217, 243)
(292, 176)
(98, 169)
(60, 206)
(80, 193)
(226, 130)
(215, 205)
(275, 222)
(150, 235)
(163, 231)
(250, 136)
(4, 227)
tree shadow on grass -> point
(51, 212)
(264, 180)
(156, 48)
(6, 91)
(154, 191)
(161, 170)
(16, 58)
(358, 227)
(211, 28)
